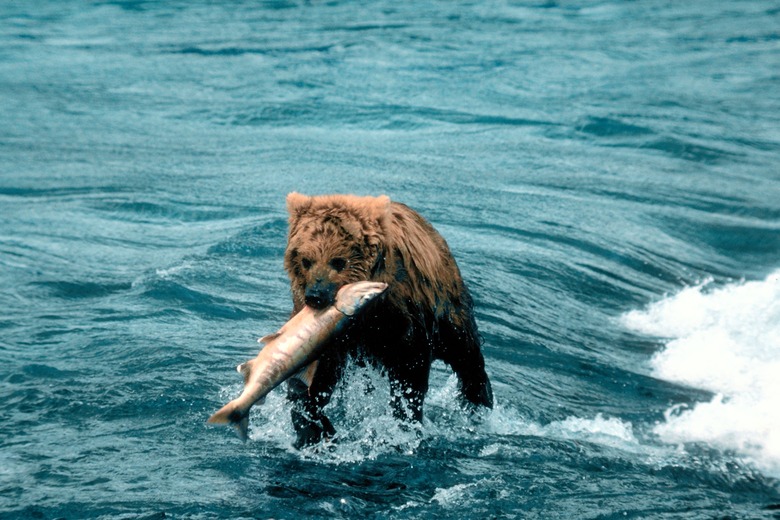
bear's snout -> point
(320, 294)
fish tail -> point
(231, 413)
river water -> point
(606, 174)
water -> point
(605, 173)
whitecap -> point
(725, 340)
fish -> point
(293, 351)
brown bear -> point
(425, 314)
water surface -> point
(605, 173)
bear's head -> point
(333, 240)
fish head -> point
(353, 297)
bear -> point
(426, 313)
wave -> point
(725, 340)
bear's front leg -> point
(311, 425)
(408, 386)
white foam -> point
(727, 341)
(606, 431)
(445, 418)
(461, 495)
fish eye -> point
(306, 263)
(338, 264)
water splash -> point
(360, 410)
(367, 428)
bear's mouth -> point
(321, 294)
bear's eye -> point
(306, 263)
(338, 264)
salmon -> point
(294, 350)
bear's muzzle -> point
(320, 294)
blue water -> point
(606, 174)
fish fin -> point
(245, 369)
(242, 427)
(269, 338)
(307, 373)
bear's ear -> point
(379, 213)
(297, 204)
(380, 208)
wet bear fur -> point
(425, 314)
